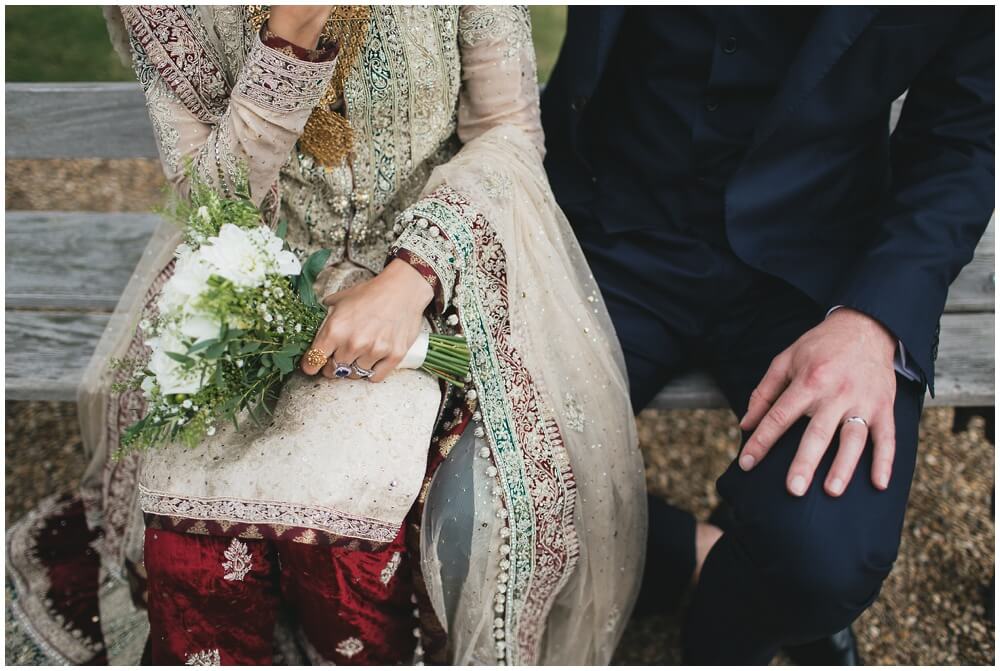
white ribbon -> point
(417, 353)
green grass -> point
(548, 26)
(60, 44)
(70, 44)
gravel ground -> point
(931, 610)
(93, 185)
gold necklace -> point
(328, 136)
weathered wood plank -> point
(76, 260)
(974, 290)
(77, 120)
(966, 360)
(96, 253)
(47, 352)
(95, 120)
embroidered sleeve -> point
(278, 82)
(223, 134)
(324, 52)
(499, 87)
(425, 246)
(499, 80)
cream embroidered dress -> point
(532, 529)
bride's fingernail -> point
(747, 461)
(798, 485)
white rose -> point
(281, 260)
(199, 326)
(237, 257)
(188, 281)
(170, 375)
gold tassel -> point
(328, 136)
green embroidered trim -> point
(538, 568)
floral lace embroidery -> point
(113, 507)
(512, 23)
(350, 647)
(271, 513)
(33, 610)
(389, 570)
(574, 415)
(190, 69)
(282, 83)
(424, 239)
(204, 658)
(238, 561)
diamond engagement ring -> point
(856, 420)
(362, 373)
(316, 358)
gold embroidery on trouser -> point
(328, 136)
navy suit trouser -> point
(792, 569)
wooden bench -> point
(55, 315)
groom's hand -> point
(841, 368)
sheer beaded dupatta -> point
(534, 532)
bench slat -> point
(96, 253)
(47, 352)
(78, 120)
(72, 260)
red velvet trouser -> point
(215, 600)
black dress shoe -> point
(839, 649)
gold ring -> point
(316, 358)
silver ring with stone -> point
(362, 373)
(856, 420)
(342, 371)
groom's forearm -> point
(941, 197)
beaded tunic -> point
(401, 98)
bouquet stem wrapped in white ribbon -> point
(233, 322)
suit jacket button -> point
(578, 103)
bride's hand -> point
(299, 24)
(373, 324)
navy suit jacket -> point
(825, 198)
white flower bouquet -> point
(233, 322)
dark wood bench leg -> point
(964, 415)
(962, 418)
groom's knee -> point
(818, 573)
(822, 588)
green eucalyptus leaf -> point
(200, 345)
(310, 271)
(181, 358)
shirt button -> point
(712, 104)
(729, 46)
